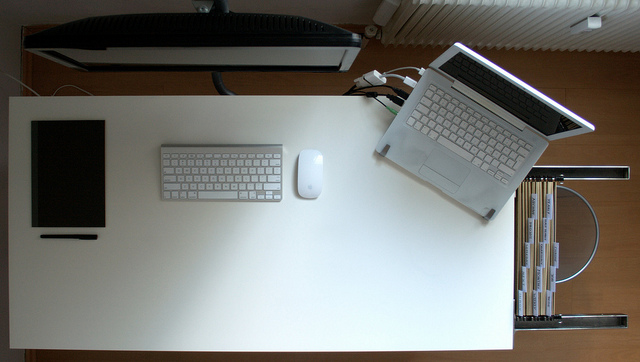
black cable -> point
(216, 77)
(367, 94)
(375, 96)
(350, 91)
(220, 7)
(395, 99)
(386, 106)
(399, 92)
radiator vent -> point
(516, 24)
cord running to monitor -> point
(20, 82)
(38, 94)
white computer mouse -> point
(310, 165)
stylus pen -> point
(70, 236)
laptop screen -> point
(507, 95)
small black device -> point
(68, 173)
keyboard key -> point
(523, 151)
(455, 148)
(218, 195)
(169, 187)
(504, 168)
(271, 187)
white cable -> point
(372, 78)
(410, 82)
(72, 86)
(393, 76)
(36, 93)
(406, 80)
(22, 84)
(419, 70)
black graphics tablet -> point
(68, 173)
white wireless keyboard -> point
(229, 172)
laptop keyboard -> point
(237, 173)
(456, 126)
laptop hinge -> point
(478, 98)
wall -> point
(9, 63)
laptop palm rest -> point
(444, 171)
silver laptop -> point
(475, 131)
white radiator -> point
(516, 24)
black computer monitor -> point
(198, 42)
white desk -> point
(380, 261)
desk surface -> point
(380, 261)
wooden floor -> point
(604, 88)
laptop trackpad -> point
(444, 171)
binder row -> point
(537, 252)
